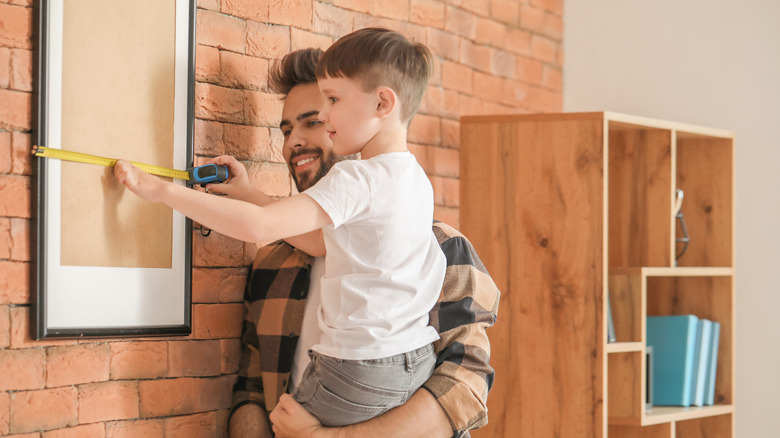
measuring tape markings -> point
(60, 154)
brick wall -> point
(491, 56)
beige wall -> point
(712, 63)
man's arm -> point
(249, 421)
(421, 416)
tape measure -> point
(209, 173)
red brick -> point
(461, 22)
(231, 354)
(135, 429)
(456, 77)
(256, 10)
(436, 183)
(425, 130)
(529, 70)
(5, 327)
(21, 158)
(6, 242)
(470, 105)
(552, 78)
(554, 27)
(198, 425)
(20, 239)
(432, 101)
(21, 70)
(83, 431)
(16, 27)
(15, 196)
(519, 41)
(16, 112)
(216, 250)
(219, 103)
(444, 44)
(14, 282)
(221, 31)
(139, 360)
(217, 321)
(491, 32)
(212, 5)
(554, 7)
(502, 63)
(208, 138)
(544, 100)
(395, 10)
(448, 215)
(267, 40)
(262, 109)
(477, 7)
(446, 162)
(450, 133)
(475, 56)
(5, 407)
(543, 48)
(76, 364)
(184, 395)
(301, 39)
(22, 369)
(108, 401)
(355, 5)
(5, 63)
(194, 358)
(331, 20)
(5, 151)
(273, 178)
(250, 143)
(506, 11)
(451, 192)
(421, 153)
(488, 87)
(296, 13)
(206, 64)
(429, 13)
(44, 409)
(218, 285)
(241, 71)
(21, 331)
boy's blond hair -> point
(381, 57)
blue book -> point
(709, 386)
(702, 367)
(673, 339)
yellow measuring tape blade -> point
(61, 154)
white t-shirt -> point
(310, 329)
(383, 268)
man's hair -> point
(381, 57)
(295, 68)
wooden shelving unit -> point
(569, 209)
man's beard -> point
(326, 163)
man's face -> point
(307, 148)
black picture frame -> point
(162, 306)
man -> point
(283, 292)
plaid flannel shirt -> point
(468, 304)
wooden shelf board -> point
(624, 347)
(670, 414)
(674, 272)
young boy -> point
(372, 220)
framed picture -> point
(116, 79)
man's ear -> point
(387, 101)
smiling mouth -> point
(305, 161)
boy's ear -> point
(387, 101)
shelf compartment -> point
(705, 422)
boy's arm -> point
(289, 217)
(421, 416)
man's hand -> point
(291, 420)
(139, 182)
(238, 185)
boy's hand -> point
(238, 185)
(139, 182)
(291, 420)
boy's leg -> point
(340, 392)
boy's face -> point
(307, 149)
(348, 114)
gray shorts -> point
(340, 392)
